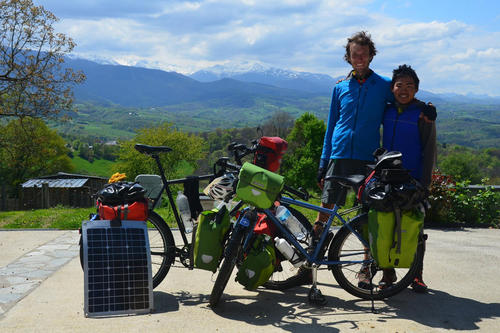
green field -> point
(96, 168)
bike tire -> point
(345, 243)
(229, 262)
(290, 276)
(161, 245)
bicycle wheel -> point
(290, 276)
(346, 246)
(230, 257)
(161, 245)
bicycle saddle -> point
(348, 181)
(151, 150)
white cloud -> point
(304, 34)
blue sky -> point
(453, 45)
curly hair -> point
(405, 71)
(360, 38)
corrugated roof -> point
(57, 183)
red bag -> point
(136, 211)
(270, 150)
(263, 226)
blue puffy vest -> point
(401, 133)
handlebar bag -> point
(259, 263)
(212, 228)
(394, 236)
(270, 150)
(257, 186)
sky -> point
(453, 45)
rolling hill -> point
(115, 100)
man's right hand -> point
(321, 177)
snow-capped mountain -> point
(258, 72)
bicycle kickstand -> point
(315, 296)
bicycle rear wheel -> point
(347, 246)
(230, 257)
(161, 245)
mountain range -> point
(124, 98)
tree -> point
(33, 81)
(278, 125)
(186, 148)
(28, 148)
(305, 143)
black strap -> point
(192, 192)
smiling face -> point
(360, 58)
(404, 90)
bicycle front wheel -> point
(230, 257)
(346, 246)
(289, 276)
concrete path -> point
(461, 268)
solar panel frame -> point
(117, 268)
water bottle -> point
(183, 206)
(288, 251)
(286, 218)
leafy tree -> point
(305, 143)
(467, 164)
(28, 148)
(33, 81)
(186, 148)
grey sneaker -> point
(363, 277)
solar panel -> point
(117, 268)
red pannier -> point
(270, 150)
(135, 211)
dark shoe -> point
(364, 278)
(419, 286)
(388, 278)
(304, 276)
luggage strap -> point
(397, 216)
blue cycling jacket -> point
(356, 112)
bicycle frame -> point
(166, 188)
(313, 258)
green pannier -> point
(257, 186)
(394, 236)
(258, 265)
(210, 232)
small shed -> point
(65, 189)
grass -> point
(58, 217)
(65, 218)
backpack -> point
(212, 228)
(270, 150)
(122, 201)
(394, 236)
(257, 186)
(259, 263)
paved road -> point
(461, 267)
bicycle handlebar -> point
(300, 192)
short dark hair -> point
(360, 38)
(404, 71)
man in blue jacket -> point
(353, 127)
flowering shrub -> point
(453, 202)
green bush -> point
(455, 203)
